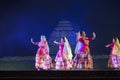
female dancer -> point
(114, 58)
(64, 56)
(43, 59)
(83, 58)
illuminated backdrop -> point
(22, 19)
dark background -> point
(22, 19)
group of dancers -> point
(65, 60)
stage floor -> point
(26, 63)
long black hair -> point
(81, 32)
(63, 39)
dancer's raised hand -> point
(107, 45)
(94, 35)
(31, 39)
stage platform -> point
(26, 63)
(19, 68)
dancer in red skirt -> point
(83, 58)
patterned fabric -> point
(83, 58)
(43, 60)
(39, 61)
(83, 61)
(114, 58)
(114, 61)
(62, 62)
(47, 64)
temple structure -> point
(64, 29)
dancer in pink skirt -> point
(42, 59)
(114, 57)
(64, 56)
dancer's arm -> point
(94, 36)
(35, 43)
(108, 45)
(77, 34)
(56, 42)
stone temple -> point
(64, 29)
